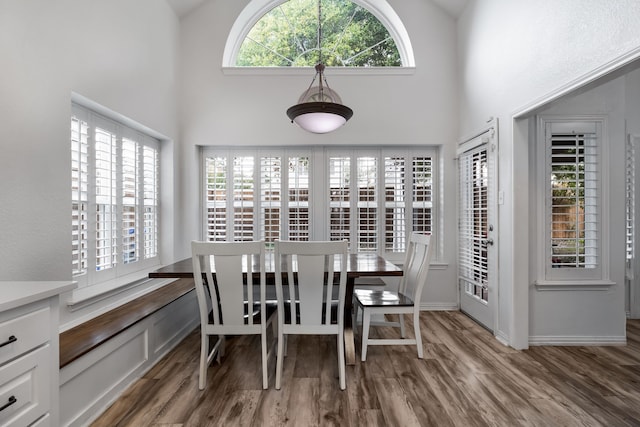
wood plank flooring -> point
(467, 378)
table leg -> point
(349, 337)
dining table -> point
(360, 264)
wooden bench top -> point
(83, 338)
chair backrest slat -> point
(228, 269)
(416, 266)
(310, 275)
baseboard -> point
(439, 306)
(578, 340)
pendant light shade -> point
(319, 109)
(319, 117)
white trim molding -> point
(563, 285)
(578, 340)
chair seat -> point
(369, 281)
(380, 298)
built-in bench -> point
(85, 337)
(99, 358)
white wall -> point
(511, 55)
(570, 316)
(118, 53)
(223, 109)
(632, 106)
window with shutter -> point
(370, 198)
(114, 193)
(573, 199)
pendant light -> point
(319, 109)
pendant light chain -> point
(319, 116)
(320, 66)
(320, 31)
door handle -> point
(487, 242)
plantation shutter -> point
(151, 185)
(339, 198)
(130, 195)
(367, 204)
(115, 197)
(270, 197)
(573, 197)
(298, 198)
(473, 193)
(216, 198)
(630, 190)
(422, 187)
(106, 232)
(372, 198)
(395, 226)
(79, 195)
(243, 194)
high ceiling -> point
(452, 7)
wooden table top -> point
(361, 264)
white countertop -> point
(16, 293)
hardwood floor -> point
(466, 378)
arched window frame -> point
(257, 8)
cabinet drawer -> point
(25, 382)
(43, 422)
(29, 331)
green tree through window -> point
(287, 36)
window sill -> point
(88, 295)
(304, 71)
(583, 285)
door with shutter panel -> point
(477, 233)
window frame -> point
(571, 277)
(119, 271)
(255, 9)
(319, 205)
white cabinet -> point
(29, 353)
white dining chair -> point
(226, 300)
(406, 300)
(306, 276)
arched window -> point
(358, 33)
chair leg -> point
(274, 328)
(366, 322)
(265, 376)
(221, 347)
(416, 331)
(204, 355)
(354, 314)
(279, 358)
(285, 341)
(341, 362)
(403, 332)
